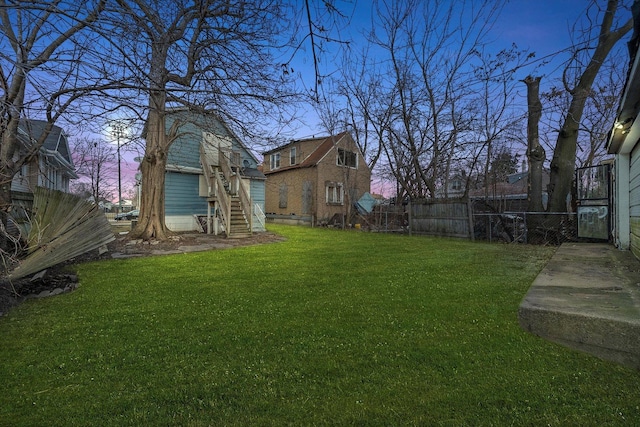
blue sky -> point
(541, 26)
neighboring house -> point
(510, 195)
(212, 181)
(52, 167)
(455, 187)
(314, 180)
(624, 142)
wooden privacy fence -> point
(445, 217)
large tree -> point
(579, 76)
(536, 154)
(203, 55)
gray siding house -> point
(212, 181)
(52, 167)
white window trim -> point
(292, 156)
(336, 190)
(274, 161)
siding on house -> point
(53, 165)
(184, 176)
(24, 180)
(257, 194)
(182, 190)
(634, 200)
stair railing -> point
(224, 202)
(230, 166)
(215, 188)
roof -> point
(208, 114)
(516, 184)
(626, 130)
(55, 146)
(253, 173)
(325, 144)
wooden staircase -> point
(238, 224)
(230, 201)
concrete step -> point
(588, 298)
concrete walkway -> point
(588, 298)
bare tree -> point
(41, 74)
(496, 121)
(95, 160)
(599, 110)
(412, 99)
(203, 55)
(578, 79)
(535, 151)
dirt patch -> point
(61, 278)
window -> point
(275, 161)
(335, 193)
(347, 158)
(292, 156)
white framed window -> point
(292, 156)
(334, 193)
(275, 161)
(347, 158)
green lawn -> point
(326, 328)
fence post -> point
(410, 207)
(470, 213)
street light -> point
(117, 130)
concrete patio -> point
(588, 298)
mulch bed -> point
(61, 278)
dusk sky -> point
(541, 26)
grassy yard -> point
(326, 328)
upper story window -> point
(275, 161)
(292, 156)
(347, 158)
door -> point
(594, 207)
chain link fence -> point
(437, 218)
(541, 228)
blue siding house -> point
(212, 181)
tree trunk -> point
(535, 152)
(564, 155)
(151, 221)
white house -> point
(624, 142)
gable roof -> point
(55, 146)
(196, 117)
(325, 144)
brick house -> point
(316, 180)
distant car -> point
(128, 216)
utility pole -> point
(118, 130)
